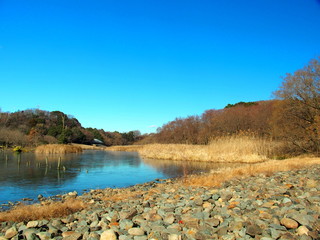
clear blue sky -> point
(133, 64)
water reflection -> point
(27, 175)
(180, 168)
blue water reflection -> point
(28, 175)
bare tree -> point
(297, 117)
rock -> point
(213, 222)
(289, 223)
(286, 200)
(129, 214)
(73, 194)
(31, 236)
(125, 224)
(108, 235)
(32, 224)
(253, 230)
(169, 219)
(228, 237)
(302, 230)
(174, 237)
(11, 232)
(44, 235)
(71, 235)
(140, 238)
(136, 231)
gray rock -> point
(44, 235)
(125, 224)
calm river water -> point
(27, 175)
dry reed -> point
(38, 211)
(267, 168)
(88, 147)
(244, 149)
(57, 149)
(126, 148)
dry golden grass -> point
(57, 149)
(127, 148)
(88, 147)
(244, 149)
(37, 211)
(267, 168)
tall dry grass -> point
(88, 147)
(126, 148)
(244, 149)
(57, 149)
(216, 178)
(38, 211)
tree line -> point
(34, 127)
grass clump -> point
(38, 211)
(57, 149)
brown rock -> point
(73, 236)
(253, 230)
(289, 223)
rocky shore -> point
(285, 205)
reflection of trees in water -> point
(29, 169)
(25, 169)
(173, 168)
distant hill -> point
(34, 127)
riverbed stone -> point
(302, 230)
(32, 224)
(136, 231)
(289, 223)
(44, 235)
(108, 235)
(11, 232)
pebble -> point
(108, 235)
(302, 230)
(11, 232)
(136, 231)
(289, 223)
(32, 224)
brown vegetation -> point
(126, 148)
(57, 149)
(234, 148)
(38, 211)
(88, 147)
(216, 123)
(297, 116)
(217, 178)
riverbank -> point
(284, 205)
